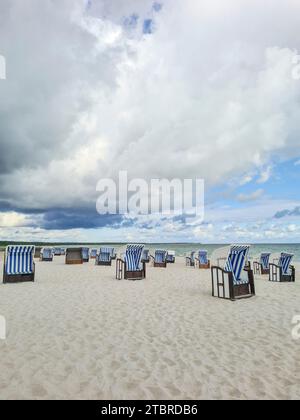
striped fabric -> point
(202, 256)
(93, 253)
(105, 254)
(160, 256)
(19, 260)
(133, 256)
(236, 262)
(285, 262)
(265, 260)
(47, 253)
(85, 253)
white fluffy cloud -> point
(209, 94)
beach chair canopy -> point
(285, 262)
(265, 260)
(160, 256)
(236, 262)
(47, 252)
(203, 257)
(133, 257)
(19, 260)
(105, 254)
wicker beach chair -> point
(190, 259)
(283, 271)
(160, 258)
(85, 255)
(104, 256)
(234, 281)
(146, 256)
(37, 251)
(46, 254)
(74, 256)
(202, 261)
(131, 267)
(93, 254)
(19, 264)
(171, 257)
(263, 265)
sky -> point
(167, 89)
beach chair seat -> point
(105, 256)
(146, 256)
(283, 271)
(159, 259)
(202, 261)
(234, 281)
(171, 255)
(19, 264)
(131, 267)
(74, 256)
(190, 259)
(46, 254)
(263, 265)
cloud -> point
(284, 213)
(86, 96)
(243, 198)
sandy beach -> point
(77, 333)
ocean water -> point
(255, 250)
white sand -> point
(78, 333)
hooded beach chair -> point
(190, 259)
(131, 267)
(146, 256)
(170, 257)
(85, 255)
(263, 265)
(93, 254)
(160, 258)
(283, 271)
(46, 254)
(105, 256)
(234, 281)
(19, 264)
(74, 256)
(37, 251)
(202, 260)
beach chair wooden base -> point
(46, 259)
(223, 285)
(74, 262)
(85, 260)
(258, 269)
(122, 272)
(276, 274)
(103, 263)
(20, 278)
(160, 265)
(202, 266)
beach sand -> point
(77, 333)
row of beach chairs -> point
(232, 276)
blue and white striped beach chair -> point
(160, 258)
(131, 266)
(46, 254)
(202, 260)
(146, 256)
(283, 271)
(263, 265)
(105, 256)
(190, 259)
(93, 254)
(19, 264)
(233, 281)
(85, 254)
(171, 256)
